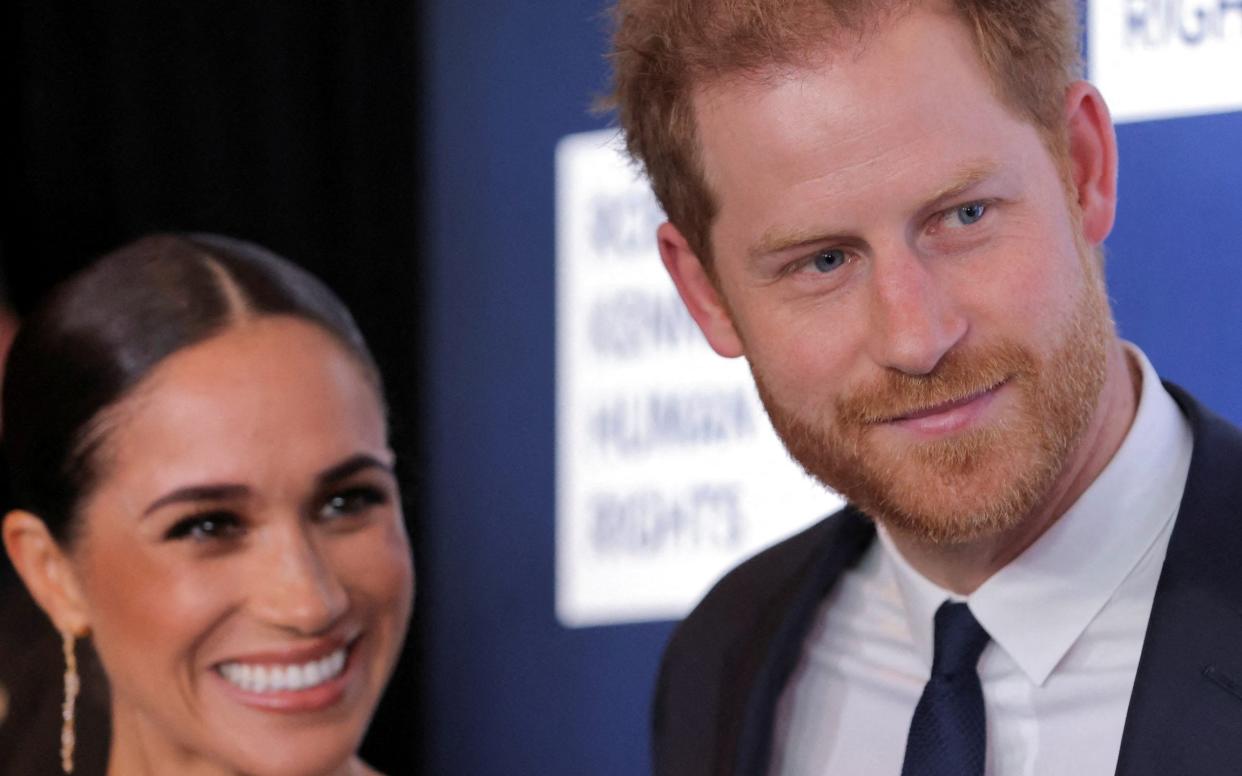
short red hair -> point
(663, 50)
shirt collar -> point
(1037, 606)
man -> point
(894, 211)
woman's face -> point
(243, 561)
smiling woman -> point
(200, 461)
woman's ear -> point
(47, 572)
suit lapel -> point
(1185, 712)
(842, 548)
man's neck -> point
(963, 567)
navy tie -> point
(948, 735)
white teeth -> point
(268, 678)
(260, 679)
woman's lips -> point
(265, 677)
(287, 681)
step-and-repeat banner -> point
(668, 472)
(1156, 59)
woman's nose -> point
(296, 586)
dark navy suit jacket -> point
(727, 663)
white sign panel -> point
(668, 472)
(1163, 58)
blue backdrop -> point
(510, 691)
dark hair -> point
(102, 331)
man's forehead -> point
(884, 132)
(824, 39)
(890, 86)
(752, 118)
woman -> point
(198, 450)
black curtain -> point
(290, 123)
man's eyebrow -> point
(780, 240)
(351, 466)
(192, 493)
(970, 175)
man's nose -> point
(915, 319)
(295, 586)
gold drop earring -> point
(72, 685)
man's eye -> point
(828, 260)
(969, 213)
(205, 527)
(353, 501)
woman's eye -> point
(353, 501)
(828, 260)
(969, 213)
(204, 527)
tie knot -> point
(960, 640)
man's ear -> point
(698, 292)
(1093, 159)
(46, 570)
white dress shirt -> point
(1067, 619)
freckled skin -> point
(269, 405)
(859, 150)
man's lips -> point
(942, 408)
(947, 416)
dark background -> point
(404, 151)
(293, 124)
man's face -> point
(896, 256)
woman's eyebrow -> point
(352, 466)
(191, 493)
(225, 491)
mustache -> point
(961, 374)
